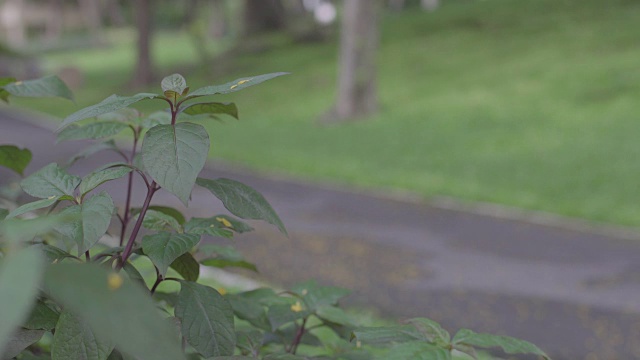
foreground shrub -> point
(66, 293)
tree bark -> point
(357, 90)
(263, 15)
(143, 73)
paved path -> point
(575, 294)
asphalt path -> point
(574, 293)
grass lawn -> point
(529, 103)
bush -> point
(67, 294)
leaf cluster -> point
(67, 292)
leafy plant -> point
(67, 293)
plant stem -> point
(134, 233)
(127, 206)
(298, 338)
(159, 279)
(87, 256)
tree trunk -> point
(92, 16)
(143, 73)
(357, 91)
(218, 26)
(114, 12)
(263, 15)
(12, 18)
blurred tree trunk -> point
(143, 73)
(263, 15)
(218, 25)
(114, 12)
(55, 22)
(14, 23)
(357, 90)
(92, 16)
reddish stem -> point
(134, 233)
(127, 206)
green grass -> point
(529, 103)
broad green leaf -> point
(315, 295)
(223, 256)
(279, 315)
(284, 357)
(101, 176)
(207, 320)
(94, 219)
(432, 331)
(94, 130)
(236, 225)
(174, 82)
(417, 350)
(387, 334)
(15, 230)
(159, 221)
(3, 213)
(14, 158)
(90, 150)
(52, 253)
(42, 317)
(110, 104)
(249, 341)
(334, 314)
(38, 204)
(116, 308)
(74, 339)
(49, 86)
(213, 108)
(163, 248)
(187, 267)
(174, 213)
(175, 155)
(234, 358)
(249, 309)
(49, 181)
(508, 344)
(19, 340)
(20, 275)
(134, 274)
(208, 226)
(242, 201)
(156, 118)
(233, 86)
(126, 115)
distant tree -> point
(114, 12)
(92, 17)
(263, 15)
(218, 25)
(143, 73)
(357, 90)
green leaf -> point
(19, 340)
(20, 274)
(417, 350)
(207, 320)
(134, 274)
(42, 317)
(39, 204)
(213, 108)
(94, 130)
(223, 257)
(15, 230)
(49, 181)
(159, 221)
(242, 201)
(73, 339)
(316, 296)
(508, 344)
(175, 155)
(163, 248)
(101, 176)
(121, 313)
(208, 226)
(334, 314)
(90, 150)
(233, 86)
(165, 210)
(236, 225)
(14, 158)
(432, 331)
(250, 309)
(94, 219)
(52, 253)
(126, 115)
(284, 357)
(387, 334)
(4, 94)
(174, 82)
(49, 86)
(110, 104)
(3, 214)
(187, 267)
